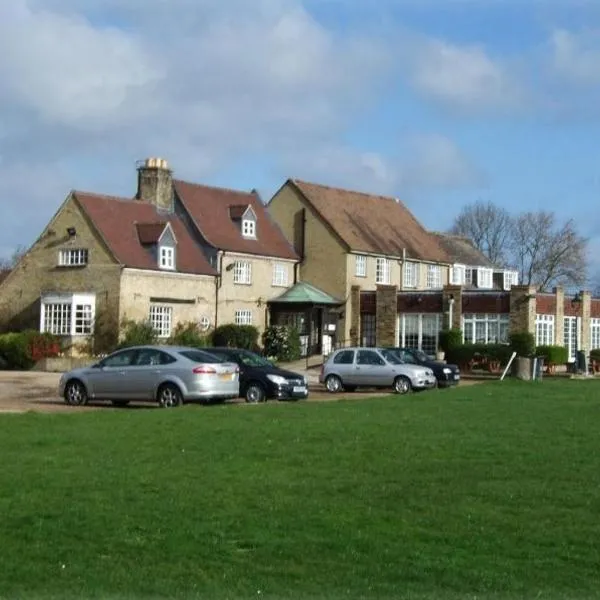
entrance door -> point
(570, 337)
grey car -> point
(349, 368)
(168, 375)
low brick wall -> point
(62, 364)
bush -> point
(22, 350)
(236, 336)
(482, 356)
(282, 343)
(450, 338)
(188, 334)
(595, 354)
(137, 333)
(553, 355)
(523, 343)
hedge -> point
(282, 343)
(484, 355)
(450, 338)
(523, 343)
(20, 351)
(553, 355)
(236, 336)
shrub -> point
(236, 336)
(483, 356)
(450, 338)
(137, 333)
(22, 350)
(595, 354)
(523, 343)
(553, 355)
(282, 343)
(188, 334)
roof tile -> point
(462, 250)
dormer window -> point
(249, 228)
(167, 257)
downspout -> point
(218, 283)
(403, 268)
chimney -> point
(155, 183)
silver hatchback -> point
(349, 368)
(168, 375)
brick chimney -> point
(155, 183)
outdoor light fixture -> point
(576, 301)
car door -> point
(143, 375)
(109, 378)
(371, 369)
(343, 366)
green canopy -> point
(304, 293)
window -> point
(280, 275)
(485, 328)
(595, 334)
(249, 228)
(420, 331)
(570, 336)
(434, 276)
(369, 357)
(382, 272)
(469, 276)
(67, 314)
(73, 257)
(411, 274)
(242, 272)
(367, 329)
(544, 330)
(457, 275)
(120, 359)
(485, 278)
(361, 265)
(150, 357)
(243, 317)
(166, 257)
(510, 278)
(161, 318)
(204, 323)
(345, 357)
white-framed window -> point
(161, 319)
(166, 257)
(485, 278)
(204, 323)
(280, 275)
(382, 271)
(510, 278)
(242, 272)
(67, 314)
(419, 331)
(411, 274)
(485, 328)
(469, 276)
(249, 228)
(73, 257)
(243, 317)
(361, 265)
(434, 276)
(570, 336)
(544, 330)
(457, 275)
(594, 333)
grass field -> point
(489, 491)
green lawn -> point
(489, 491)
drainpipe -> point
(451, 312)
(218, 283)
(403, 268)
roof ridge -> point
(216, 187)
(348, 190)
(103, 196)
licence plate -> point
(226, 376)
(299, 390)
(456, 376)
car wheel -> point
(402, 385)
(333, 384)
(120, 403)
(255, 393)
(75, 393)
(349, 388)
(169, 396)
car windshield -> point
(420, 355)
(391, 357)
(250, 359)
(199, 356)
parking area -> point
(23, 391)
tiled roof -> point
(117, 220)
(237, 211)
(210, 208)
(149, 233)
(462, 251)
(374, 224)
(304, 293)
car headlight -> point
(277, 379)
(447, 371)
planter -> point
(440, 356)
(61, 364)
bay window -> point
(485, 328)
(67, 314)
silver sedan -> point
(168, 375)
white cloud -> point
(576, 56)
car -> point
(350, 368)
(260, 379)
(447, 375)
(168, 375)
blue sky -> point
(438, 102)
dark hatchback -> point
(260, 379)
(446, 375)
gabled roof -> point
(305, 293)
(370, 223)
(210, 207)
(117, 220)
(461, 250)
(237, 211)
(149, 233)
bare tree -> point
(8, 264)
(488, 226)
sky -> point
(438, 102)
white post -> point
(508, 365)
(450, 312)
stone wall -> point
(387, 315)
